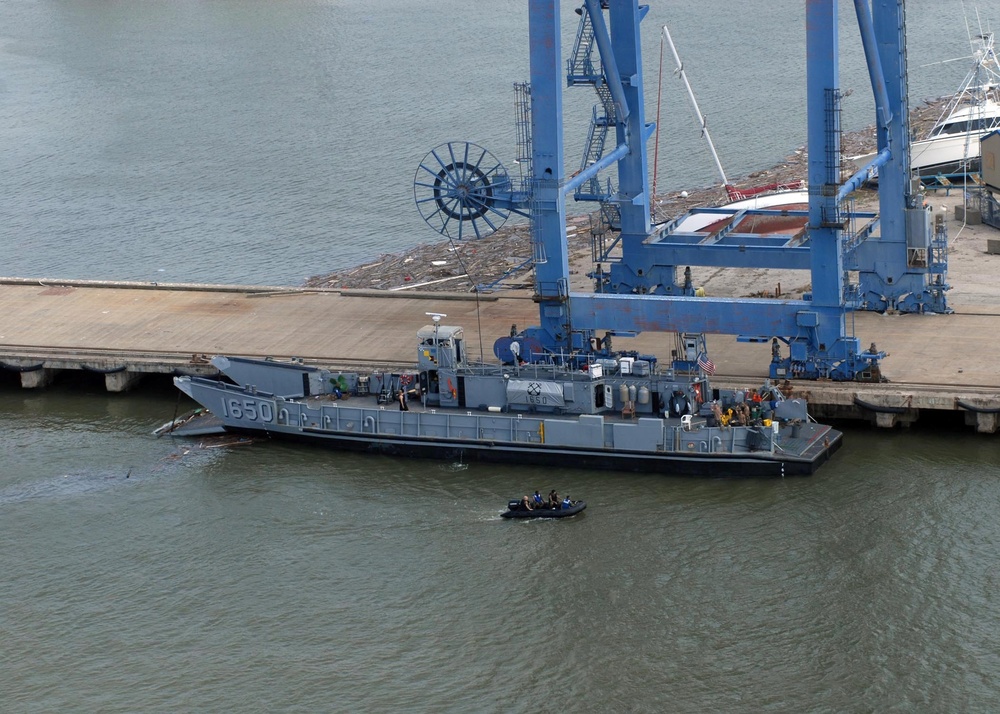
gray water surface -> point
(145, 574)
(260, 142)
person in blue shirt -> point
(537, 498)
(566, 503)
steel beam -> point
(653, 313)
(609, 60)
(894, 175)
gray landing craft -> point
(557, 393)
(614, 411)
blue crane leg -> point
(548, 209)
(822, 88)
(888, 278)
(893, 177)
(631, 129)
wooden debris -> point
(459, 267)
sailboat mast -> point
(694, 104)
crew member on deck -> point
(402, 401)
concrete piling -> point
(37, 378)
(121, 381)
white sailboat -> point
(773, 196)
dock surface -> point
(109, 323)
(127, 330)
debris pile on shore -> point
(503, 259)
(456, 266)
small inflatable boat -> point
(516, 509)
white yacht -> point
(951, 148)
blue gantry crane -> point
(462, 191)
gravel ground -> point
(501, 260)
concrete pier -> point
(35, 378)
(941, 363)
(121, 381)
(984, 423)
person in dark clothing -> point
(553, 499)
(402, 401)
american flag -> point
(706, 364)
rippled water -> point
(263, 142)
(145, 574)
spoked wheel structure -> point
(456, 190)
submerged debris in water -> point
(224, 441)
(216, 442)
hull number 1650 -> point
(247, 409)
